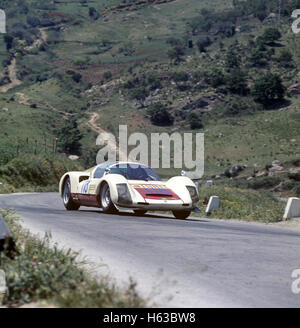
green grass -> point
(44, 273)
(243, 204)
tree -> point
(236, 81)
(8, 39)
(140, 94)
(176, 54)
(69, 137)
(160, 115)
(285, 58)
(202, 43)
(271, 35)
(93, 13)
(195, 121)
(215, 77)
(107, 75)
(232, 60)
(267, 89)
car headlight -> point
(123, 194)
(193, 193)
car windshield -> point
(135, 172)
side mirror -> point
(107, 171)
(183, 173)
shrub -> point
(180, 76)
(263, 182)
(267, 89)
(195, 121)
(271, 35)
(107, 75)
(160, 115)
(236, 81)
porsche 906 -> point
(125, 185)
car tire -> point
(181, 214)
(140, 212)
(68, 201)
(105, 199)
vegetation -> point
(43, 272)
(244, 204)
(35, 172)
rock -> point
(271, 16)
(294, 89)
(275, 168)
(209, 183)
(279, 187)
(234, 170)
(5, 109)
(249, 179)
(276, 162)
(199, 103)
(261, 173)
(73, 157)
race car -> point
(115, 186)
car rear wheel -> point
(68, 201)
(106, 202)
(181, 214)
(140, 212)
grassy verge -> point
(243, 204)
(45, 273)
(35, 173)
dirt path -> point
(39, 41)
(12, 73)
(92, 123)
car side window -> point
(99, 173)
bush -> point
(263, 182)
(203, 43)
(195, 121)
(107, 75)
(160, 115)
(215, 77)
(69, 138)
(267, 89)
(236, 81)
(180, 76)
(271, 35)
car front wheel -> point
(68, 201)
(106, 202)
(181, 214)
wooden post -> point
(17, 147)
(35, 147)
(55, 145)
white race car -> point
(125, 185)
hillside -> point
(223, 68)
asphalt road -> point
(190, 263)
